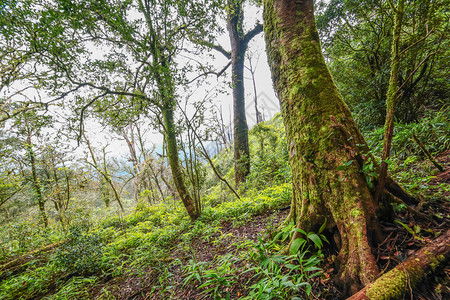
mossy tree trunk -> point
(391, 98)
(163, 75)
(166, 94)
(405, 276)
(192, 207)
(326, 147)
(35, 179)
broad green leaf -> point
(316, 239)
(296, 244)
(300, 230)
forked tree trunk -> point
(238, 48)
(326, 148)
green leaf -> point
(300, 230)
(288, 284)
(316, 239)
(292, 266)
(312, 268)
(278, 258)
(322, 228)
(308, 289)
(296, 244)
(265, 262)
(279, 234)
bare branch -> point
(252, 33)
(218, 48)
(218, 74)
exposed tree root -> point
(409, 273)
(416, 213)
(395, 189)
(17, 263)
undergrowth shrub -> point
(286, 276)
(29, 284)
(82, 254)
(21, 237)
(255, 202)
(269, 155)
(433, 131)
(75, 288)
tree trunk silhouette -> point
(239, 43)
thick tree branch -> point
(218, 48)
(252, 33)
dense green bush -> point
(433, 131)
(269, 155)
(82, 254)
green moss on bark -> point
(319, 126)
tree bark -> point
(239, 44)
(409, 273)
(390, 100)
(174, 162)
(35, 180)
(326, 149)
(241, 148)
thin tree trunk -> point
(205, 154)
(35, 179)
(239, 43)
(390, 100)
(174, 162)
(134, 160)
(241, 147)
(252, 71)
(427, 153)
(104, 173)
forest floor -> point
(227, 241)
(215, 259)
(405, 234)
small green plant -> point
(216, 280)
(194, 271)
(75, 288)
(284, 276)
(219, 279)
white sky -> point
(267, 101)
